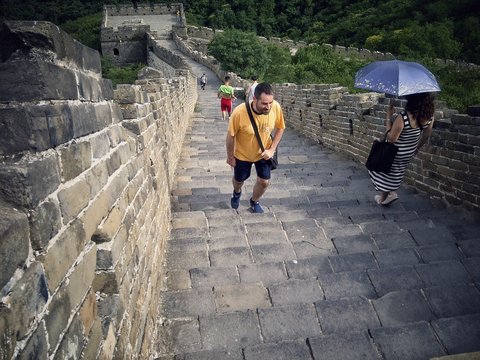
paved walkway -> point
(325, 273)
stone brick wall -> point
(448, 168)
(85, 178)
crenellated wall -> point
(447, 169)
(85, 179)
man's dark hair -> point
(227, 78)
(254, 78)
(263, 88)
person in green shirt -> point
(225, 93)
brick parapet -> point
(447, 169)
(86, 198)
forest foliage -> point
(438, 28)
(410, 29)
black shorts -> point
(242, 169)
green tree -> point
(468, 32)
(120, 74)
(327, 66)
(240, 52)
(374, 42)
(280, 68)
(85, 29)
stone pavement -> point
(325, 273)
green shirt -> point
(226, 91)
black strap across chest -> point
(254, 125)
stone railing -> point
(447, 169)
(85, 180)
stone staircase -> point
(325, 273)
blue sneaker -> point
(256, 208)
(235, 200)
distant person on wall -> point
(225, 93)
(243, 149)
(408, 131)
(203, 81)
(251, 89)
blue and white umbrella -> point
(396, 77)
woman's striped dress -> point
(407, 144)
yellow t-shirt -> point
(246, 144)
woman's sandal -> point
(390, 198)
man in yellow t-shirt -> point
(226, 94)
(243, 149)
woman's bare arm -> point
(395, 129)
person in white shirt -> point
(251, 89)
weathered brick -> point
(14, 242)
(56, 321)
(8, 330)
(106, 282)
(30, 180)
(127, 94)
(75, 159)
(23, 130)
(239, 297)
(72, 342)
(63, 253)
(60, 122)
(27, 298)
(222, 331)
(108, 345)
(108, 253)
(36, 347)
(73, 199)
(288, 322)
(100, 145)
(96, 177)
(95, 212)
(81, 278)
(88, 312)
(92, 347)
(45, 223)
(40, 80)
(109, 226)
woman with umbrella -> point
(410, 129)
